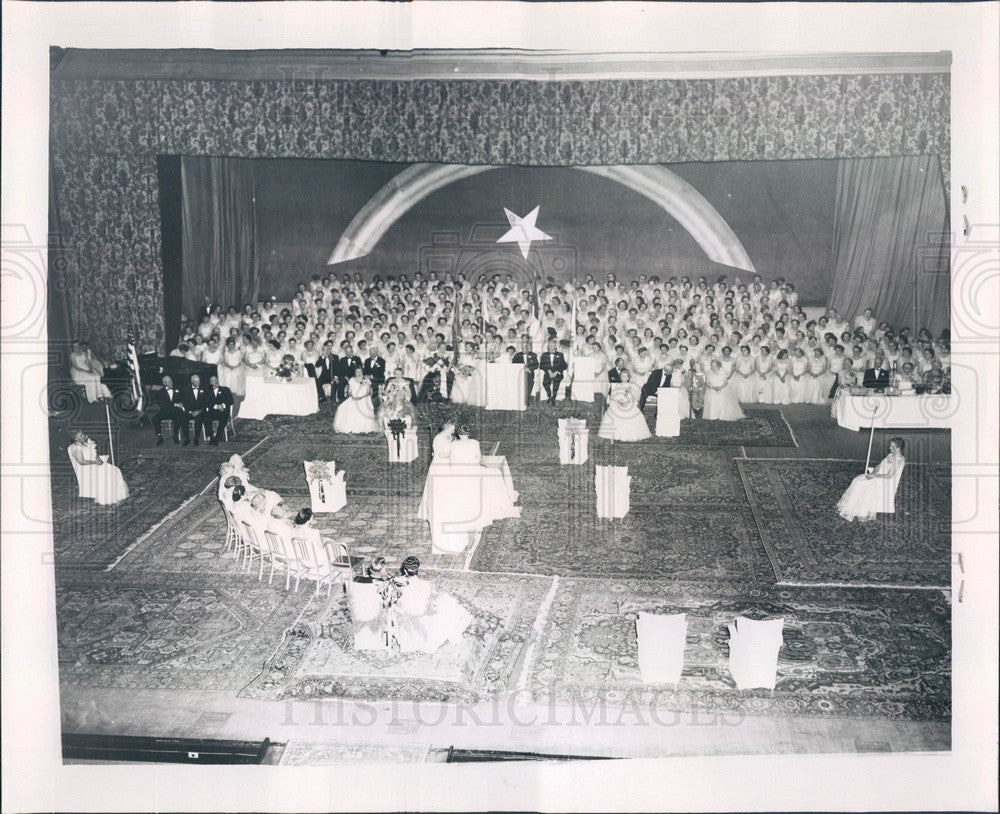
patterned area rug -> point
(165, 632)
(193, 540)
(484, 664)
(853, 652)
(326, 753)
(794, 502)
(762, 427)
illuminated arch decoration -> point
(661, 186)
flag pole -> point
(871, 438)
(111, 441)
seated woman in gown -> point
(426, 617)
(875, 492)
(721, 401)
(438, 470)
(97, 479)
(86, 370)
(479, 491)
(622, 419)
(356, 414)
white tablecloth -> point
(269, 396)
(505, 386)
(895, 412)
(585, 383)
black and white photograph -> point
(548, 409)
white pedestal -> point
(408, 449)
(326, 495)
(668, 418)
(574, 442)
(753, 652)
(506, 385)
(613, 486)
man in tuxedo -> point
(877, 376)
(374, 368)
(197, 405)
(615, 374)
(219, 408)
(553, 365)
(346, 366)
(529, 359)
(168, 405)
(657, 379)
(326, 371)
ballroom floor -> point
(159, 633)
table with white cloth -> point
(268, 395)
(505, 386)
(668, 412)
(930, 411)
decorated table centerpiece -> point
(288, 369)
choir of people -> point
(749, 341)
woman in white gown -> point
(97, 479)
(746, 382)
(720, 399)
(469, 385)
(622, 420)
(356, 414)
(875, 492)
(426, 617)
(232, 373)
(86, 370)
(437, 471)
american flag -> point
(132, 360)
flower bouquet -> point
(288, 369)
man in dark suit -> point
(657, 379)
(374, 368)
(877, 376)
(346, 366)
(553, 365)
(529, 359)
(196, 405)
(167, 404)
(615, 374)
(219, 408)
(326, 371)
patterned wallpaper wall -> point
(105, 135)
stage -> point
(160, 633)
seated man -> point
(196, 404)
(219, 401)
(167, 404)
(877, 376)
(657, 379)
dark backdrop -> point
(782, 211)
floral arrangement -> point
(320, 470)
(397, 426)
(288, 369)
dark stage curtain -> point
(219, 219)
(890, 241)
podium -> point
(403, 448)
(585, 383)
(753, 652)
(327, 489)
(661, 639)
(505, 386)
(574, 438)
(613, 486)
(668, 412)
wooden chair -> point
(282, 556)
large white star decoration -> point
(522, 231)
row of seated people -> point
(209, 408)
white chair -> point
(257, 546)
(753, 652)
(613, 486)
(327, 488)
(668, 412)
(233, 539)
(282, 554)
(661, 640)
(85, 483)
(407, 449)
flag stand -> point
(111, 440)
(871, 438)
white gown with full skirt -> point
(867, 497)
(357, 413)
(622, 420)
(103, 483)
